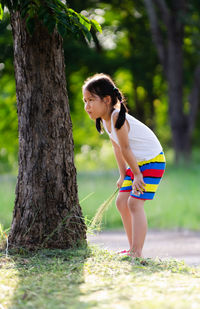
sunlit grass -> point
(95, 278)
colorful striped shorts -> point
(152, 171)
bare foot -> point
(135, 253)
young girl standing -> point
(134, 145)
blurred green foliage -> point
(8, 107)
(125, 51)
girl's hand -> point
(120, 182)
(138, 184)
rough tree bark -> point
(170, 52)
(47, 211)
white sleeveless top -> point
(142, 141)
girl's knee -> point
(131, 205)
(121, 202)
(134, 204)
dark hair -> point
(102, 85)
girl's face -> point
(94, 105)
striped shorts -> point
(152, 171)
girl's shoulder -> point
(114, 116)
(115, 112)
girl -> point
(134, 144)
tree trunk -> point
(178, 120)
(47, 211)
(170, 52)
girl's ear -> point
(107, 99)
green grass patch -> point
(176, 203)
(91, 277)
(7, 197)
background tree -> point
(125, 50)
(128, 56)
(46, 212)
(169, 22)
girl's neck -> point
(107, 116)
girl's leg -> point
(139, 225)
(122, 206)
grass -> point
(94, 278)
(176, 204)
(7, 197)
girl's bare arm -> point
(122, 135)
(120, 162)
(119, 158)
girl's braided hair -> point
(102, 85)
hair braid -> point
(122, 113)
(98, 125)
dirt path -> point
(183, 245)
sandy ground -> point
(182, 245)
